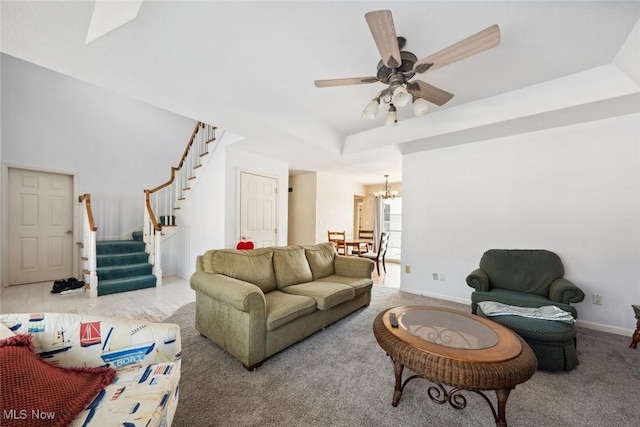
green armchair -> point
(524, 278)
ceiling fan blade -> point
(430, 93)
(345, 82)
(384, 33)
(479, 42)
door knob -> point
(69, 232)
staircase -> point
(112, 266)
(123, 265)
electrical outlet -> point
(441, 276)
(597, 299)
(407, 269)
(435, 276)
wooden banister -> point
(152, 216)
(166, 197)
(86, 198)
(166, 184)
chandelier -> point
(386, 193)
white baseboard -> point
(604, 328)
(438, 296)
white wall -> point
(239, 160)
(334, 204)
(116, 147)
(113, 145)
(201, 220)
(209, 219)
(573, 190)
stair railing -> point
(88, 246)
(163, 202)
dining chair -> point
(364, 236)
(380, 253)
(338, 239)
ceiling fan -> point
(397, 67)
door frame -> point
(4, 217)
(238, 225)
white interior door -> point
(258, 209)
(40, 226)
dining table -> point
(361, 246)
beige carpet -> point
(341, 377)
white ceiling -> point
(249, 67)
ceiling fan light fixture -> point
(400, 96)
(420, 106)
(397, 67)
(392, 116)
(371, 109)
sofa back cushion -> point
(253, 266)
(320, 259)
(523, 270)
(291, 266)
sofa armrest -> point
(479, 280)
(243, 296)
(353, 266)
(564, 291)
(67, 339)
(199, 263)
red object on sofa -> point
(245, 244)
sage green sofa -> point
(255, 303)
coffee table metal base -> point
(459, 374)
(439, 394)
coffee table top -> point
(453, 334)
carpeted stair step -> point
(108, 247)
(113, 286)
(122, 271)
(122, 259)
(122, 265)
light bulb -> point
(400, 96)
(420, 106)
(371, 109)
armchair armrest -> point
(353, 266)
(243, 296)
(564, 291)
(479, 280)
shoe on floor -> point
(78, 284)
(62, 284)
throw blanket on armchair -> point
(547, 312)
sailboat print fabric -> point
(145, 355)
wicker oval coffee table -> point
(456, 349)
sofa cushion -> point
(253, 266)
(291, 266)
(154, 389)
(530, 271)
(320, 259)
(283, 308)
(326, 294)
(360, 285)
